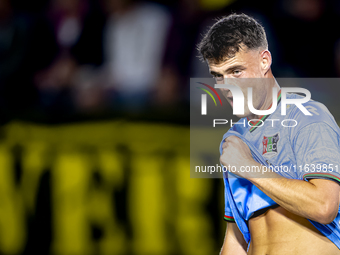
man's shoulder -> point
(318, 115)
(317, 110)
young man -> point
(292, 211)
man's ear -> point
(266, 61)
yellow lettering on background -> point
(70, 177)
(146, 205)
(12, 224)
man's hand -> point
(236, 154)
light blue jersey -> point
(309, 150)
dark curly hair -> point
(227, 36)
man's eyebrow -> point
(235, 67)
(229, 69)
(214, 73)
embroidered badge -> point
(270, 145)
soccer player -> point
(293, 209)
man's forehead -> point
(224, 64)
(226, 61)
(240, 58)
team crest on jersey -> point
(270, 145)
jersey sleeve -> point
(228, 215)
(317, 152)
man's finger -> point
(224, 145)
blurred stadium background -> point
(94, 110)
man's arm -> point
(234, 243)
(317, 199)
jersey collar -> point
(263, 117)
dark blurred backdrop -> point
(94, 111)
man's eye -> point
(237, 72)
(218, 77)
